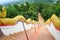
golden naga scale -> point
(8, 21)
(11, 21)
(3, 12)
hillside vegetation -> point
(30, 10)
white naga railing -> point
(54, 32)
(15, 28)
(18, 27)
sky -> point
(7, 1)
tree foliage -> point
(30, 10)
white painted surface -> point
(16, 28)
(53, 31)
